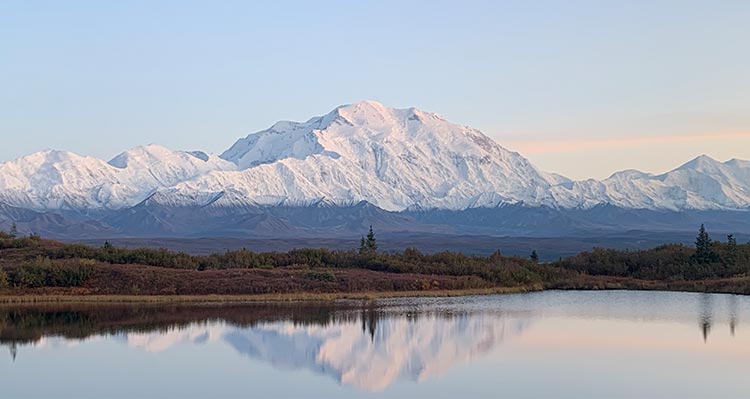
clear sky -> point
(583, 88)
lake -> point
(554, 344)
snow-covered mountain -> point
(410, 159)
(395, 159)
(59, 180)
(702, 183)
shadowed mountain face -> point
(154, 219)
(323, 221)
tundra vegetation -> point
(31, 265)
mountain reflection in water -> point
(365, 345)
(365, 348)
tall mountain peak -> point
(699, 162)
(394, 158)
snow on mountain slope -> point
(393, 158)
(158, 166)
(702, 183)
(712, 184)
(282, 140)
(63, 180)
(59, 180)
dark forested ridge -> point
(151, 219)
(32, 265)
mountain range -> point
(360, 164)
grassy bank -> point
(739, 286)
(11, 299)
(734, 285)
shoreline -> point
(254, 298)
(608, 285)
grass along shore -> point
(740, 286)
(11, 299)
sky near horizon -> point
(581, 88)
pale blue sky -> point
(638, 84)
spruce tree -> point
(703, 252)
(371, 243)
(368, 245)
(731, 250)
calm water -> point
(549, 344)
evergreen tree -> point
(703, 251)
(107, 246)
(14, 230)
(731, 250)
(368, 245)
(534, 256)
(371, 243)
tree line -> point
(707, 259)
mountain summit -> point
(393, 158)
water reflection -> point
(706, 313)
(733, 314)
(371, 346)
(365, 348)
(390, 349)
